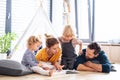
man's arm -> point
(104, 65)
(97, 67)
(82, 67)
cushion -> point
(13, 68)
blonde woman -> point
(68, 43)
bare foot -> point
(51, 72)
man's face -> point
(90, 53)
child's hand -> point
(46, 68)
(80, 52)
(40, 64)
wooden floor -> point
(82, 75)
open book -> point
(66, 72)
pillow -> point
(13, 68)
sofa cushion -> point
(13, 68)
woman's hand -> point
(58, 66)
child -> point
(30, 61)
(68, 43)
(39, 43)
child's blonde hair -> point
(68, 31)
(32, 40)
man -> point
(93, 59)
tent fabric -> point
(39, 24)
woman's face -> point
(54, 49)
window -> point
(83, 19)
(2, 16)
(27, 13)
(63, 12)
(57, 16)
(107, 17)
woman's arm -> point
(58, 66)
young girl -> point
(30, 61)
(39, 43)
(68, 43)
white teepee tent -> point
(39, 25)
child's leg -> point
(64, 62)
(51, 72)
(40, 70)
(71, 63)
(48, 64)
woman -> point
(51, 53)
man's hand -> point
(88, 63)
(97, 67)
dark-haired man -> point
(93, 59)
